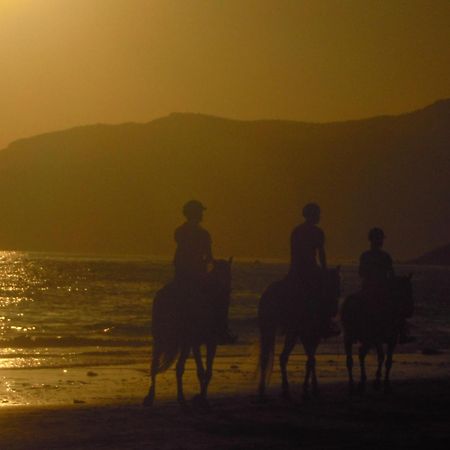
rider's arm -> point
(322, 257)
(363, 269)
(208, 250)
(390, 267)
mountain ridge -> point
(436, 105)
(119, 188)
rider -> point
(375, 269)
(308, 245)
(193, 255)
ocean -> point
(62, 311)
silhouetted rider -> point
(308, 245)
(308, 261)
(375, 265)
(192, 257)
(375, 270)
(193, 252)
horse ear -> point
(230, 261)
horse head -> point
(402, 293)
(333, 282)
(221, 273)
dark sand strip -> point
(416, 415)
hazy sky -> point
(70, 62)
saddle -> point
(190, 308)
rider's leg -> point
(224, 335)
(404, 337)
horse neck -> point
(331, 285)
(219, 281)
(400, 287)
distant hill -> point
(119, 188)
(437, 257)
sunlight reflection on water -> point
(70, 310)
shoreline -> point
(233, 374)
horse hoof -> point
(262, 399)
(377, 385)
(361, 388)
(201, 403)
(351, 389)
(148, 401)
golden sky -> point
(70, 62)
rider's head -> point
(311, 213)
(376, 237)
(193, 211)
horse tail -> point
(165, 331)
(168, 353)
(268, 322)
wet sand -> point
(100, 407)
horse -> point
(376, 325)
(283, 307)
(183, 322)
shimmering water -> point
(63, 311)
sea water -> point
(67, 311)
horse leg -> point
(310, 367)
(314, 383)
(308, 371)
(389, 356)
(289, 344)
(149, 399)
(267, 345)
(180, 371)
(210, 355)
(348, 343)
(363, 350)
(199, 363)
(380, 359)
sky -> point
(65, 63)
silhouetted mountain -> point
(120, 188)
(438, 257)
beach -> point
(75, 355)
(415, 415)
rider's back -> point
(306, 239)
(375, 268)
(193, 252)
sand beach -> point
(101, 407)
